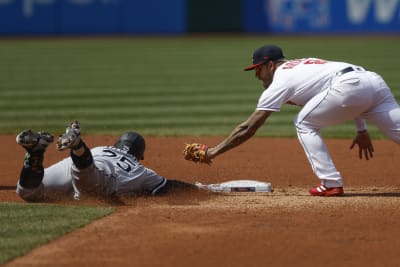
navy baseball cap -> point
(264, 54)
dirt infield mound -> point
(283, 228)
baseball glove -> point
(197, 153)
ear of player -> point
(197, 153)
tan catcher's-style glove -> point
(197, 153)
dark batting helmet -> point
(133, 143)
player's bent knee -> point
(302, 129)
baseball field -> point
(179, 90)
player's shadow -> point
(373, 194)
(7, 187)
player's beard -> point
(266, 83)
(268, 80)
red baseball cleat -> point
(326, 192)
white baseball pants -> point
(356, 94)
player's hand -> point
(364, 145)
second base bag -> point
(237, 186)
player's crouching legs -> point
(317, 154)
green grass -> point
(26, 226)
(157, 86)
(162, 86)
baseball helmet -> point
(133, 143)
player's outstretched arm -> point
(241, 133)
(202, 153)
(176, 186)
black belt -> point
(348, 69)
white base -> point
(237, 186)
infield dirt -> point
(284, 228)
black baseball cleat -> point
(34, 141)
(71, 138)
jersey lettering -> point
(293, 63)
(315, 61)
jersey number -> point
(315, 61)
(123, 162)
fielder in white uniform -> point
(330, 93)
(106, 171)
